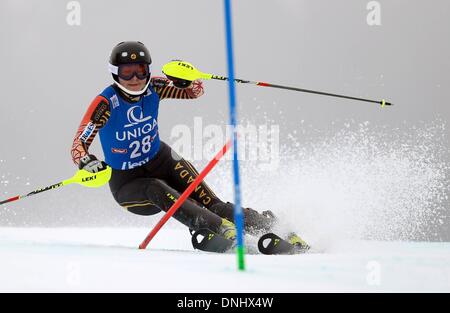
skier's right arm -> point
(94, 119)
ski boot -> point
(298, 242)
(227, 230)
(224, 240)
(255, 222)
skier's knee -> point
(160, 193)
(140, 207)
(144, 210)
(141, 197)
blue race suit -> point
(130, 138)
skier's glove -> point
(91, 164)
(180, 83)
(158, 81)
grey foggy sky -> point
(51, 71)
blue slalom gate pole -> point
(238, 213)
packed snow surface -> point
(107, 259)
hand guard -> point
(91, 164)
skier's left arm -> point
(94, 119)
(166, 90)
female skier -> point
(148, 176)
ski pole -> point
(185, 195)
(82, 177)
(185, 70)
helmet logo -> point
(133, 56)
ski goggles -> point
(128, 71)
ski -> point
(269, 244)
(273, 244)
(207, 240)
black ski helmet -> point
(127, 52)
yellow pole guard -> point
(91, 180)
(184, 70)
